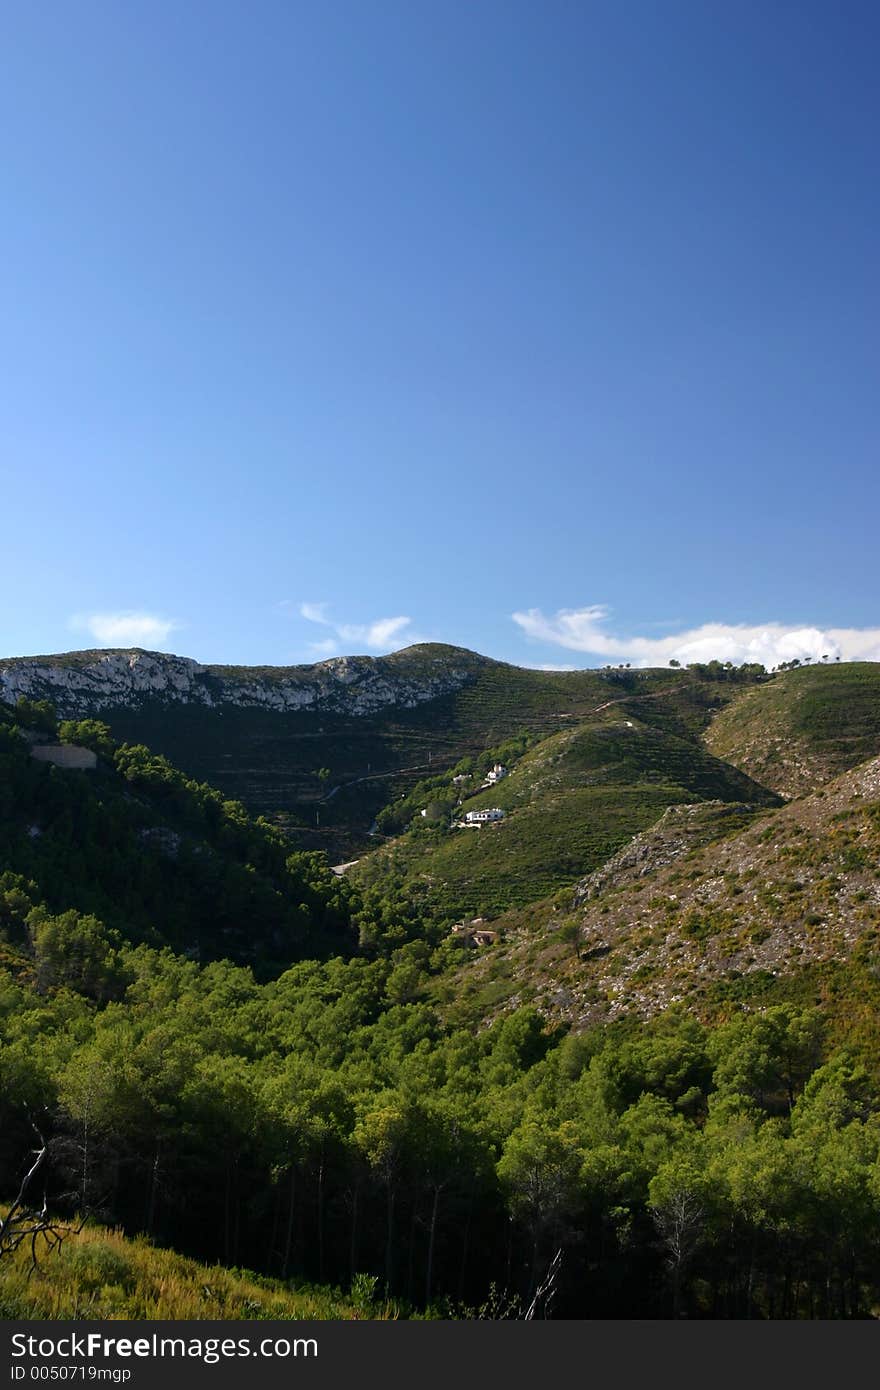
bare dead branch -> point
(25, 1222)
(546, 1291)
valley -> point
(653, 978)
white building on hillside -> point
(498, 772)
(481, 817)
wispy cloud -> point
(315, 612)
(551, 666)
(126, 629)
(380, 635)
(587, 630)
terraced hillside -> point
(699, 912)
(270, 759)
(804, 727)
(569, 803)
(371, 727)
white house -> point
(481, 817)
(496, 774)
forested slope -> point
(156, 856)
(318, 1128)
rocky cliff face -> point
(85, 683)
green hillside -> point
(804, 727)
(702, 907)
(324, 1128)
(154, 855)
(270, 760)
(569, 802)
(324, 772)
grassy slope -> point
(803, 727)
(570, 802)
(102, 1274)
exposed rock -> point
(679, 831)
(698, 901)
(85, 683)
(162, 838)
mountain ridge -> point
(94, 680)
(323, 748)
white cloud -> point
(315, 612)
(586, 630)
(384, 632)
(128, 629)
(381, 635)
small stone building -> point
(67, 755)
(484, 937)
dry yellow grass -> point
(100, 1273)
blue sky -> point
(551, 328)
